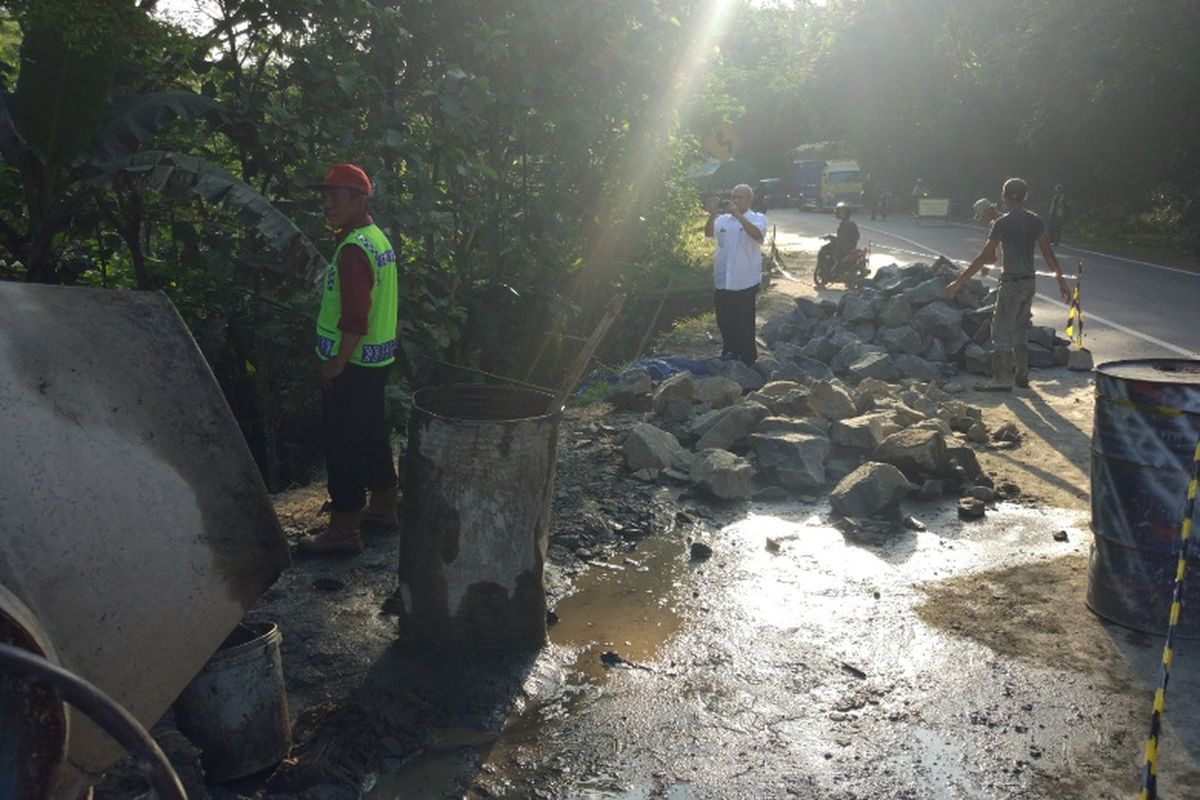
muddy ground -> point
(957, 661)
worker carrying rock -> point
(1018, 231)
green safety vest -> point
(378, 346)
(1056, 205)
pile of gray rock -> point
(855, 397)
(874, 443)
(898, 325)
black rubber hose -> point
(102, 710)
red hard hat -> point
(345, 176)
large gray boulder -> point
(938, 319)
(850, 353)
(819, 348)
(1040, 356)
(717, 391)
(976, 360)
(864, 432)
(874, 365)
(648, 447)
(735, 370)
(831, 400)
(869, 489)
(809, 426)
(896, 311)
(903, 339)
(783, 398)
(855, 308)
(924, 293)
(735, 424)
(722, 474)
(919, 454)
(791, 460)
(1042, 335)
(631, 391)
(917, 368)
(673, 400)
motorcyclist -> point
(847, 232)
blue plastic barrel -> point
(1147, 424)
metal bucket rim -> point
(266, 633)
(1111, 369)
(478, 388)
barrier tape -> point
(1150, 770)
(1075, 311)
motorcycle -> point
(850, 270)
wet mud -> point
(793, 661)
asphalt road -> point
(1132, 308)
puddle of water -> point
(939, 764)
(628, 607)
(787, 570)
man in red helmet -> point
(356, 343)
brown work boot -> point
(340, 537)
(380, 514)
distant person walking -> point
(1019, 231)
(1060, 212)
(737, 270)
(883, 200)
(918, 191)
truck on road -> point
(822, 184)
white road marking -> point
(1187, 272)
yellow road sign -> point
(723, 142)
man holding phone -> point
(737, 270)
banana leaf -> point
(136, 118)
(177, 174)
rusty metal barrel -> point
(478, 479)
(1146, 426)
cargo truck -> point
(822, 184)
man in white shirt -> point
(737, 271)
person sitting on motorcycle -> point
(847, 232)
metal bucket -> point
(478, 478)
(235, 710)
(1147, 424)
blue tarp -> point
(659, 367)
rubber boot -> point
(1002, 373)
(380, 513)
(340, 537)
(1021, 367)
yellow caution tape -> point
(1150, 769)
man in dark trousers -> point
(1059, 212)
(1019, 231)
(356, 343)
(737, 271)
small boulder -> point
(831, 400)
(919, 454)
(874, 365)
(735, 370)
(791, 460)
(869, 490)
(648, 447)
(970, 508)
(717, 391)
(783, 398)
(863, 432)
(631, 391)
(733, 426)
(722, 474)
(1080, 360)
(673, 400)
